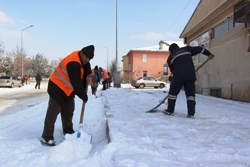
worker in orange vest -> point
(94, 80)
(68, 80)
(104, 77)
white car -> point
(147, 82)
(10, 81)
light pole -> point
(116, 35)
(22, 45)
(107, 55)
(117, 83)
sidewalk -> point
(218, 136)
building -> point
(223, 27)
(147, 61)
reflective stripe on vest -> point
(60, 76)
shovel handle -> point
(202, 64)
(83, 104)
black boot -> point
(68, 131)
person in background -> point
(100, 75)
(104, 77)
(181, 66)
(38, 80)
(23, 80)
(94, 80)
(68, 79)
(110, 79)
(26, 78)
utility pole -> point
(116, 37)
(22, 45)
(117, 82)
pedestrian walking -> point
(68, 80)
(38, 80)
(181, 66)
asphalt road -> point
(15, 99)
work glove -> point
(211, 56)
(85, 97)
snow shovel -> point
(152, 110)
(81, 121)
(82, 115)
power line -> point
(177, 18)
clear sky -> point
(62, 26)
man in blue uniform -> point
(181, 66)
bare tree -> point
(40, 64)
(17, 61)
(113, 67)
(1, 49)
(53, 65)
(1, 56)
(7, 65)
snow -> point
(123, 134)
(164, 46)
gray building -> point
(222, 26)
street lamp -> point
(22, 44)
(107, 55)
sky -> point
(218, 136)
(61, 27)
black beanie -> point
(89, 51)
(172, 47)
(96, 67)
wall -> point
(229, 70)
(153, 66)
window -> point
(144, 58)
(221, 29)
(144, 73)
(165, 69)
(202, 40)
(152, 79)
(225, 26)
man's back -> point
(181, 64)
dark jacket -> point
(181, 63)
(38, 78)
(73, 69)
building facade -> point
(148, 61)
(222, 26)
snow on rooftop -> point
(165, 47)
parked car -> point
(147, 82)
(10, 81)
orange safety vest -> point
(60, 76)
(105, 74)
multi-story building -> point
(147, 61)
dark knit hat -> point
(96, 67)
(172, 47)
(89, 51)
